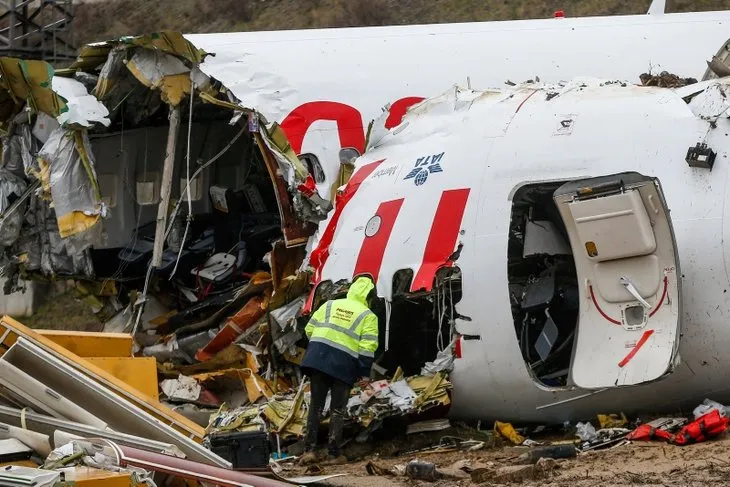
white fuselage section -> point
(325, 85)
(496, 141)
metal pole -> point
(166, 186)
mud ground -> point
(636, 464)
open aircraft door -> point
(627, 266)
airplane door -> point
(627, 265)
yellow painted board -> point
(92, 477)
(90, 344)
(11, 329)
(138, 372)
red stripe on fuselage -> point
(372, 250)
(319, 256)
(442, 237)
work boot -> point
(310, 457)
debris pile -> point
(182, 216)
(285, 414)
(665, 80)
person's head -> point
(362, 290)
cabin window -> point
(314, 167)
(348, 154)
(148, 190)
(108, 189)
(196, 189)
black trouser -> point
(340, 393)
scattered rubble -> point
(665, 80)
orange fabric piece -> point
(251, 312)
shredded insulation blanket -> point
(286, 414)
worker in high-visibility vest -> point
(343, 338)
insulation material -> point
(169, 42)
(11, 188)
(46, 250)
(157, 70)
(185, 388)
(18, 149)
(110, 73)
(44, 126)
(120, 90)
(83, 109)
(285, 331)
(31, 80)
(72, 181)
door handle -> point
(633, 291)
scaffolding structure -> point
(37, 29)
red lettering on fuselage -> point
(349, 121)
(398, 110)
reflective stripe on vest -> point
(344, 338)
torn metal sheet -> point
(82, 370)
(119, 413)
(157, 70)
(132, 457)
(37, 441)
(285, 332)
(45, 426)
(36, 394)
(713, 102)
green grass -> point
(63, 312)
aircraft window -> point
(196, 189)
(314, 167)
(348, 154)
(148, 190)
(108, 188)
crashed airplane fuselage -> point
(535, 222)
(325, 85)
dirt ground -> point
(636, 464)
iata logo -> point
(424, 166)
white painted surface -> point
(367, 68)
(21, 304)
(497, 141)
